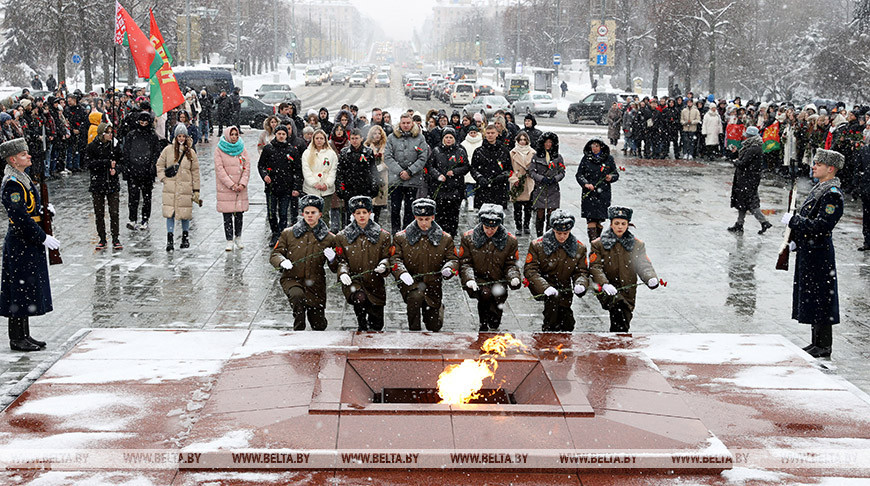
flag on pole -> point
(165, 93)
(140, 48)
(157, 40)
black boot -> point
(764, 227)
(814, 339)
(737, 228)
(17, 339)
(170, 243)
(824, 341)
(185, 241)
(30, 338)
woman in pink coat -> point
(232, 168)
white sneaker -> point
(238, 242)
(143, 225)
(229, 245)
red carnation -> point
(339, 250)
(664, 284)
(395, 267)
(319, 175)
(525, 282)
(622, 168)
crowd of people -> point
(327, 181)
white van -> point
(463, 94)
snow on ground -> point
(112, 478)
(236, 439)
(121, 344)
(126, 370)
(221, 478)
(743, 475)
(757, 349)
(89, 411)
(781, 377)
(69, 440)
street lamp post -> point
(238, 34)
(188, 56)
(517, 50)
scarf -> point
(608, 239)
(320, 230)
(231, 149)
(10, 172)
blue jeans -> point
(48, 160)
(203, 130)
(278, 209)
(170, 225)
(689, 141)
(73, 157)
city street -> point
(716, 282)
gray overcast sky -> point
(398, 18)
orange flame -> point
(461, 383)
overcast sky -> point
(398, 18)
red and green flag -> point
(128, 33)
(165, 93)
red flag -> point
(157, 40)
(165, 93)
(140, 47)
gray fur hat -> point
(619, 212)
(360, 202)
(12, 147)
(562, 220)
(491, 215)
(830, 158)
(424, 207)
(311, 200)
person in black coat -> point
(863, 180)
(206, 104)
(491, 168)
(323, 118)
(357, 173)
(815, 298)
(597, 171)
(101, 159)
(534, 133)
(25, 289)
(224, 111)
(445, 170)
(280, 166)
(77, 118)
(51, 83)
(141, 150)
(747, 177)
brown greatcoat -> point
(296, 243)
(619, 262)
(178, 191)
(416, 253)
(549, 264)
(369, 248)
(485, 259)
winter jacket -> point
(99, 155)
(280, 161)
(690, 118)
(231, 170)
(178, 191)
(747, 176)
(491, 167)
(141, 150)
(485, 259)
(546, 171)
(406, 151)
(420, 253)
(619, 262)
(322, 169)
(362, 251)
(561, 266)
(594, 170)
(357, 173)
(711, 128)
(383, 176)
(442, 160)
(94, 118)
(521, 161)
(470, 144)
(304, 246)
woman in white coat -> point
(319, 167)
(711, 127)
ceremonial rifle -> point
(782, 259)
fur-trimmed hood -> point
(608, 239)
(539, 147)
(499, 239)
(415, 234)
(550, 244)
(372, 231)
(398, 133)
(320, 230)
(605, 149)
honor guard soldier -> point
(815, 298)
(363, 262)
(25, 288)
(300, 254)
(617, 259)
(422, 255)
(556, 269)
(488, 265)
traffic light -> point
(293, 42)
(498, 58)
(477, 40)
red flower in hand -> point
(525, 282)
(339, 250)
(663, 283)
(319, 175)
(395, 267)
(622, 168)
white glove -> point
(345, 279)
(652, 283)
(406, 279)
(551, 292)
(51, 210)
(381, 268)
(579, 289)
(472, 285)
(515, 282)
(287, 264)
(446, 272)
(329, 253)
(51, 242)
(792, 246)
(786, 218)
(608, 289)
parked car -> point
(383, 80)
(357, 79)
(536, 104)
(277, 97)
(595, 107)
(253, 112)
(487, 105)
(420, 90)
(484, 89)
(263, 89)
(461, 94)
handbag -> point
(172, 171)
